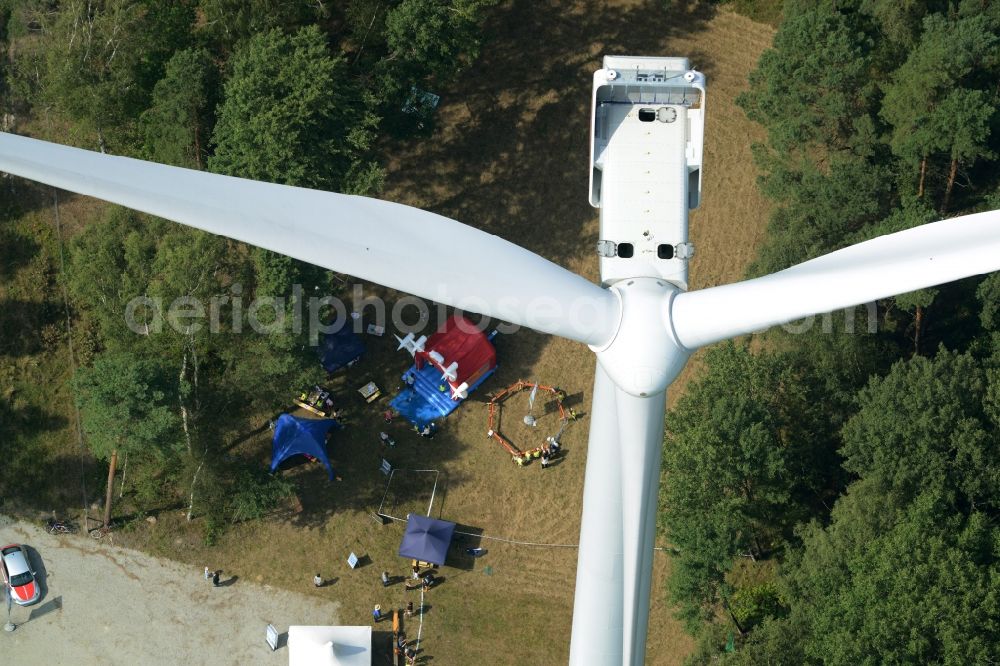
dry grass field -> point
(508, 154)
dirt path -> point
(107, 605)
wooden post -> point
(110, 491)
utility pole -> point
(110, 489)
(10, 626)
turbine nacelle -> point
(644, 355)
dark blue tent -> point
(338, 349)
(426, 539)
(294, 436)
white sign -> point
(386, 467)
(272, 637)
(352, 560)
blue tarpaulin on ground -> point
(426, 539)
(338, 349)
(424, 401)
(297, 436)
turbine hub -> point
(644, 355)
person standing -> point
(215, 579)
(318, 580)
(208, 574)
(377, 613)
(385, 579)
(409, 609)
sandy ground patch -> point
(103, 604)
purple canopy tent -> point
(426, 539)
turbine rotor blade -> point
(597, 606)
(397, 246)
(897, 263)
(640, 433)
(615, 561)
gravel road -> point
(107, 605)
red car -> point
(18, 575)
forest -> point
(830, 493)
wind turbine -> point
(641, 322)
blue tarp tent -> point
(338, 349)
(295, 436)
(426, 539)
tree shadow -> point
(19, 250)
(23, 321)
(18, 197)
(35, 476)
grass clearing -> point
(509, 155)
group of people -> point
(321, 400)
(550, 450)
(212, 576)
(425, 582)
(418, 580)
(404, 648)
(426, 432)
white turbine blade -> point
(897, 263)
(597, 607)
(394, 245)
(640, 432)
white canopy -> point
(329, 646)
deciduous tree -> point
(125, 406)
(740, 468)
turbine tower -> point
(641, 321)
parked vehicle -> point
(18, 575)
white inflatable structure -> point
(641, 322)
(411, 344)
